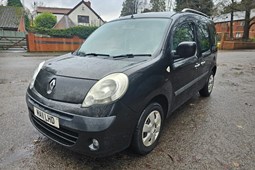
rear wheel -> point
(207, 89)
(148, 129)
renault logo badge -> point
(51, 86)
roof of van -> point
(158, 15)
(151, 15)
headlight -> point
(107, 90)
(35, 74)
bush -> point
(80, 31)
(45, 20)
(27, 22)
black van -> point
(124, 81)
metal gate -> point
(12, 39)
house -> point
(12, 18)
(222, 24)
(64, 23)
(81, 14)
(58, 12)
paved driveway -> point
(206, 133)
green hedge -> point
(45, 20)
(80, 31)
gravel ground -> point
(206, 133)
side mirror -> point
(186, 49)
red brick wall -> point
(224, 27)
(235, 45)
(252, 31)
(22, 25)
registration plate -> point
(54, 121)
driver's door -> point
(184, 70)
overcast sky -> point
(107, 9)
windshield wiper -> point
(131, 55)
(91, 54)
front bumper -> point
(76, 132)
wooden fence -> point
(37, 43)
(12, 39)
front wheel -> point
(207, 89)
(148, 129)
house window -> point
(242, 23)
(83, 19)
(238, 35)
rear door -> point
(204, 51)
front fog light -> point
(94, 146)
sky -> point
(107, 9)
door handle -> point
(203, 62)
(197, 65)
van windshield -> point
(126, 37)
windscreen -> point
(132, 36)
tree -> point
(229, 6)
(130, 7)
(231, 9)
(27, 22)
(158, 5)
(16, 3)
(45, 20)
(27, 17)
(244, 5)
(170, 5)
(36, 4)
(247, 6)
(205, 6)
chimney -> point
(88, 3)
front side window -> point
(184, 32)
(203, 37)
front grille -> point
(62, 135)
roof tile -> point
(64, 23)
(10, 17)
(53, 10)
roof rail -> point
(194, 11)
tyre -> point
(148, 129)
(207, 89)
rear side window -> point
(203, 37)
(184, 32)
(213, 34)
